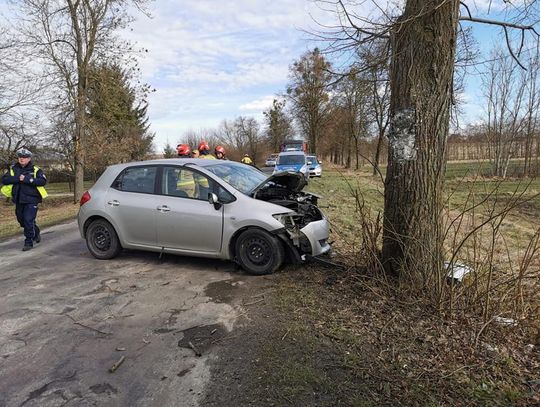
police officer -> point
(24, 184)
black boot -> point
(37, 235)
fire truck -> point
(294, 145)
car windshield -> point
(313, 159)
(242, 177)
(291, 159)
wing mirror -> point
(214, 200)
(309, 162)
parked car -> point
(315, 168)
(206, 208)
(292, 161)
(271, 160)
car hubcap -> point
(258, 251)
(102, 239)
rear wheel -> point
(259, 252)
(102, 240)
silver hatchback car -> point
(206, 208)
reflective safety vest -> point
(246, 160)
(7, 190)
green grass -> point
(64, 187)
(461, 169)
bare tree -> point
(308, 89)
(352, 96)
(69, 36)
(505, 97)
(19, 93)
(423, 48)
(241, 135)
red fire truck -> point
(294, 145)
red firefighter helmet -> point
(219, 149)
(203, 146)
(183, 149)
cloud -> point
(258, 105)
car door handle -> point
(163, 208)
(113, 203)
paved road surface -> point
(66, 318)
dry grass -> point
(375, 345)
(51, 212)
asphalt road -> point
(67, 318)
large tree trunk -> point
(78, 149)
(423, 45)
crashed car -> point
(206, 208)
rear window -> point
(299, 159)
(136, 179)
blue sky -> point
(211, 60)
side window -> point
(224, 196)
(185, 183)
(137, 179)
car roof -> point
(201, 162)
(296, 152)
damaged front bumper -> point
(306, 242)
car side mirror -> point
(309, 162)
(214, 200)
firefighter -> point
(184, 151)
(219, 151)
(247, 160)
(204, 151)
(24, 183)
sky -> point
(211, 60)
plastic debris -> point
(457, 271)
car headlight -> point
(286, 219)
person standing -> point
(219, 153)
(24, 183)
(247, 160)
(204, 151)
(183, 150)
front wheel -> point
(258, 252)
(102, 240)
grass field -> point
(56, 208)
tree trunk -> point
(423, 45)
(378, 153)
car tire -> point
(102, 240)
(258, 252)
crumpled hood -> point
(292, 181)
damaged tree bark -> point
(423, 47)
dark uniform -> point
(26, 195)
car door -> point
(131, 204)
(185, 219)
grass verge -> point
(52, 211)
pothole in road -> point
(201, 338)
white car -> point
(271, 160)
(315, 168)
